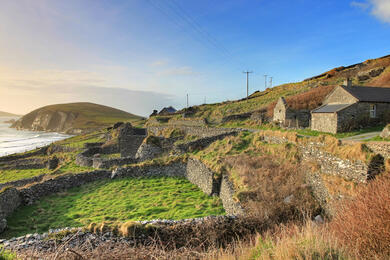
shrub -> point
(363, 224)
(271, 190)
(307, 100)
(298, 242)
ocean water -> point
(17, 141)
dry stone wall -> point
(23, 182)
(200, 175)
(195, 131)
(227, 195)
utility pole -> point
(270, 81)
(187, 100)
(265, 81)
(204, 100)
(247, 82)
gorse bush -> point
(363, 224)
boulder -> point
(52, 163)
(148, 151)
(3, 224)
(385, 132)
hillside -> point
(73, 118)
(307, 94)
(6, 114)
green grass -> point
(14, 175)
(114, 200)
(7, 255)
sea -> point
(17, 141)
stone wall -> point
(22, 182)
(102, 163)
(130, 139)
(358, 115)
(193, 122)
(36, 191)
(175, 169)
(10, 199)
(194, 170)
(195, 131)
(356, 171)
(148, 151)
(28, 163)
(39, 151)
(201, 176)
(202, 142)
(324, 122)
(340, 96)
(382, 148)
(227, 195)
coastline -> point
(14, 141)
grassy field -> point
(115, 200)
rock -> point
(318, 219)
(288, 199)
(148, 151)
(3, 225)
(118, 124)
(365, 75)
(385, 132)
(53, 163)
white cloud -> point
(381, 9)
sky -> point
(140, 55)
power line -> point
(247, 82)
(178, 15)
(270, 81)
(265, 81)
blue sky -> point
(140, 55)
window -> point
(372, 111)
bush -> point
(363, 224)
(271, 190)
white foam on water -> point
(17, 141)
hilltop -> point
(307, 94)
(73, 118)
(7, 114)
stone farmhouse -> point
(288, 117)
(350, 107)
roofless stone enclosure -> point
(195, 171)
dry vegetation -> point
(363, 224)
(307, 100)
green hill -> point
(74, 118)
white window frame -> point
(372, 110)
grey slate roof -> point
(167, 110)
(369, 94)
(330, 108)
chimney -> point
(348, 82)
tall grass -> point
(363, 224)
